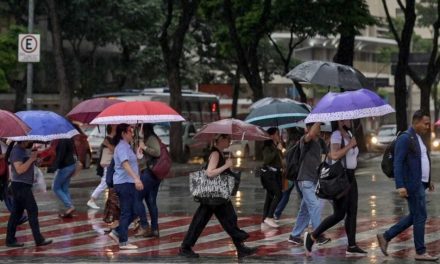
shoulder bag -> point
(333, 182)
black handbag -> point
(333, 182)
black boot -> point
(243, 250)
(187, 252)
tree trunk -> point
(436, 101)
(236, 93)
(345, 53)
(63, 86)
(425, 98)
(176, 103)
(301, 92)
(20, 91)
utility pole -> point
(30, 69)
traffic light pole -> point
(30, 69)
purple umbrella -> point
(349, 105)
(87, 110)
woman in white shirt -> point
(342, 146)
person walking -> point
(64, 167)
(342, 146)
(126, 181)
(150, 146)
(23, 198)
(311, 150)
(271, 176)
(107, 149)
(224, 212)
(412, 173)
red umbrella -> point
(87, 110)
(12, 125)
(137, 112)
(238, 130)
(437, 123)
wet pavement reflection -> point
(82, 238)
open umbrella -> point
(328, 74)
(270, 100)
(237, 129)
(11, 125)
(87, 110)
(349, 105)
(277, 114)
(46, 126)
(137, 112)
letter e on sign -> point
(29, 47)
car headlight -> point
(374, 140)
(238, 153)
(436, 143)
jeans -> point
(225, 214)
(417, 217)
(345, 207)
(23, 199)
(149, 194)
(127, 201)
(285, 196)
(61, 184)
(310, 208)
(271, 181)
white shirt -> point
(424, 159)
(351, 156)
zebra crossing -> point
(84, 235)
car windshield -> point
(387, 131)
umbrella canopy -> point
(328, 74)
(137, 112)
(87, 110)
(270, 100)
(46, 126)
(238, 130)
(349, 105)
(437, 123)
(277, 114)
(325, 127)
(12, 125)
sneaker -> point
(355, 250)
(383, 244)
(92, 204)
(128, 247)
(426, 257)
(142, 232)
(187, 253)
(153, 233)
(114, 236)
(270, 222)
(308, 242)
(321, 240)
(296, 240)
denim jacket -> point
(407, 162)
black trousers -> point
(225, 214)
(23, 199)
(344, 207)
(271, 181)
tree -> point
(171, 38)
(247, 22)
(57, 41)
(404, 43)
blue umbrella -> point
(349, 105)
(46, 126)
(277, 114)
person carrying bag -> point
(224, 211)
(345, 206)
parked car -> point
(82, 148)
(95, 137)
(385, 135)
(241, 149)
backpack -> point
(161, 166)
(387, 163)
(293, 161)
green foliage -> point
(9, 65)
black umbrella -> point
(277, 114)
(328, 74)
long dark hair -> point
(148, 131)
(119, 129)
